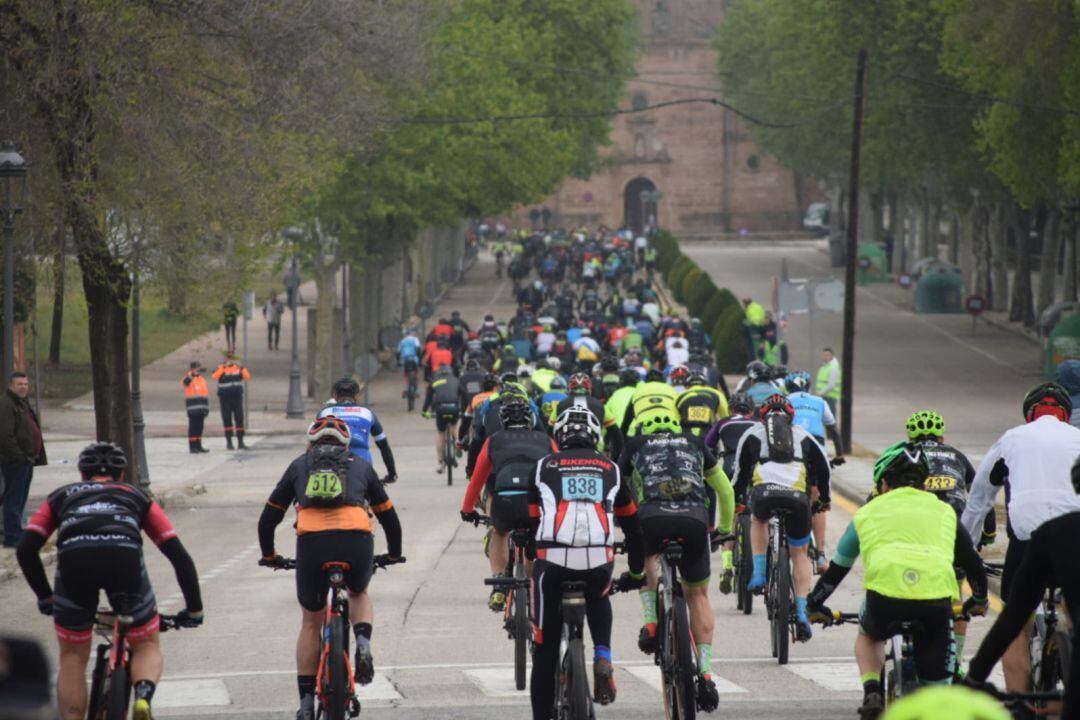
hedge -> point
(690, 279)
(698, 295)
(676, 274)
(713, 310)
(729, 341)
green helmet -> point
(514, 388)
(925, 422)
(953, 702)
(902, 464)
(659, 421)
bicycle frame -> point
(337, 605)
(573, 701)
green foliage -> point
(729, 341)
(667, 249)
(691, 279)
(714, 308)
(675, 275)
(699, 293)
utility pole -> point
(847, 361)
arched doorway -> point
(638, 211)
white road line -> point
(191, 693)
(498, 292)
(650, 675)
(495, 681)
(834, 676)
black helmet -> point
(1048, 393)
(902, 465)
(741, 403)
(758, 370)
(472, 365)
(102, 458)
(491, 381)
(695, 378)
(514, 412)
(654, 375)
(345, 387)
(609, 363)
(629, 377)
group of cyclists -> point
(594, 407)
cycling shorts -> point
(510, 512)
(766, 499)
(1014, 555)
(313, 550)
(545, 606)
(445, 417)
(410, 364)
(692, 534)
(82, 573)
(880, 617)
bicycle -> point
(516, 585)
(411, 390)
(779, 592)
(1051, 651)
(335, 686)
(742, 560)
(573, 701)
(110, 684)
(449, 446)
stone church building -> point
(700, 170)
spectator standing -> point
(229, 315)
(828, 380)
(754, 326)
(197, 400)
(272, 311)
(230, 376)
(21, 448)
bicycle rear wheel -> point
(1055, 666)
(448, 456)
(521, 635)
(116, 700)
(781, 602)
(684, 673)
(577, 683)
(744, 567)
(99, 683)
(336, 689)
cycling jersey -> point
(507, 463)
(409, 349)
(364, 427)
(808, 468)
(811, 413)
(761, 391)
(724, 439)
(443, 395)
(650, 397)
(471, 384)
(699, 407)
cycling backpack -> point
(780, 437)
(327, 469)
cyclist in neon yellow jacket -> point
(909, 541)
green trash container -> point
(1063, 344)
(873, 264)
(940, 290)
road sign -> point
(829, 295)
(904, 281)
(975, 304)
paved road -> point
(439, 652)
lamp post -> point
(137, 422)
(295, 406)
(13, 177)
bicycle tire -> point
(579, 706)
(521, 635)
(685, 670)
(98, 684)
(894, 674)
(116, 699)
(782, 605)
(664, 657)
(1055, 665)
(745, 566)
(410, 393)
(337, 694)
(448, 457)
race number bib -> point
(699, 414)
(939, 483)
(324, 486)
(583, 487)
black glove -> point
(188, 619)
(976, 606)
(471, 516)
(837, 461)
(980, 685)
(819, 614)
(45, 607)
(627, 581)
(389, 479)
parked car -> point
(816, 219)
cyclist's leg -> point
(71, 690)
(798, 530)
(760, 507)
(819, 523)
(870, 647)
(1016, 660)
(311, 590)
(440, 439)
(546, 612)
(126, 574)
(933, 639)
(695, 567)
(357, 549)
(75, 598)
(599, 617)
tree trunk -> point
(998, 231)
(1021, 308)
(1048, 266)
(326, 287)
(59, 271)
(1068, 226)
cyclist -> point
(784, 463)
(333, 491)
(460, 329)
(669, 471)
(487, 390)
(759, 383)
(1033, 462)
(472, 381)
(653, 395)
(700, 405)
(504, 469)
(443, 402)
(364, 426)
(576, 496)
(409, 350)
(549, 402)
(99, 522)
(579, 391)
(486, 418)
(909, 542)
(619, 401)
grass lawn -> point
(162, 332)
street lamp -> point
(138, 423)
(295, 406)
(13, 177)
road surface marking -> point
(496, 681)
(380, 689)
(191, 693)
(650, 675)
(834, 676)
(498, 292)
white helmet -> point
(525, 371)
(577, 426)
(329, 428)
(554, 363)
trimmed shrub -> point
(713, 310)
(667, 249)
(673, 277)
(729, 299)
(691, 276)
(729, 341)
(699, 294)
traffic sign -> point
(904, 281)
(975, 304)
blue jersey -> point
(573, 335)
(759, 392)
(364, 427)
(409, 348)
(811, 413)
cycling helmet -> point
(554, 363)
(678, 375)
(629, 377)
(654, 375)
(507, 377)
(659, 421)
(580, 384)
(741, 404)
(524, 372)
(472, 365)
(514, 389)
(902, 465)
(558, 383)
(779, 372)
(925, 422)
(345, 387)
(609, 363)
(102, 458)
(491, 381)
(577, 427)
(444, 370)
(1048, 394)
(798, 381)
(758, 370)
(947, 702)
(776, 403)
(328, 429)
(695, 378)
(514, 412)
